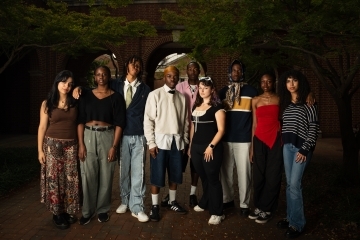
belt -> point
(99, 129)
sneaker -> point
(165, 201)
(141, 216)
(176, 207)
(154, 213)
(193, 201)
(283, 224)
(215, 220)
(83, 220)
(60, 222)
(291, 232)
(255, 214)
(264, 217)
(103, 217)
(198, 209)
(121, 209)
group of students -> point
(217, 131)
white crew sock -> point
(192, 190)
(155, 199)
(172, 195)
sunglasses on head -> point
(205, 79)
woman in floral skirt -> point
(58, 151)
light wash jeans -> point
(294, 172)
(236, 155)
(132, 172)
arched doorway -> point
(159, 54)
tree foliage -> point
(25, 26)
(323, 35)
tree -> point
(25, 27)
(323, 35)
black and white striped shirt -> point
(301, 127)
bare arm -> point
(76, 92)
(112, 150)
(310, 100)
(254, 124)
(191, 137)
(82, 147)
(44, 120)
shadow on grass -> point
(17, 167)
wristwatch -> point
(211, 145)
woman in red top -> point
(266, 149)
(266, 152)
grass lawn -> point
(17, 166)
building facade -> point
(27, 82)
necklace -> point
(192, 90)
(62, 104)
(268, 99)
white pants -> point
(236, 155)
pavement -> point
(24, 217)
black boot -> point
(69, 218)
(60, 221)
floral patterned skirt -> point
(59, 183)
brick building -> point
(26, 83)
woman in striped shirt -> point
(299, 133)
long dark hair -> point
(214, 99)
(53, 98)
(285, 95)
(133, 59)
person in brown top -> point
(58, 150)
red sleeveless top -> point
(268, 124)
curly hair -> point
(53, 97)
(214, 99)
(285, 95)
(133, 59)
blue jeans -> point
(132, 172)
(294, 172)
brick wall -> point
(33, 76)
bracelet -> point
(114, 147)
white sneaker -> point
(141, 216)
(215, 220)
(121, 209)
(198, 209)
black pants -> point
(209, 174)
(267, 169)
